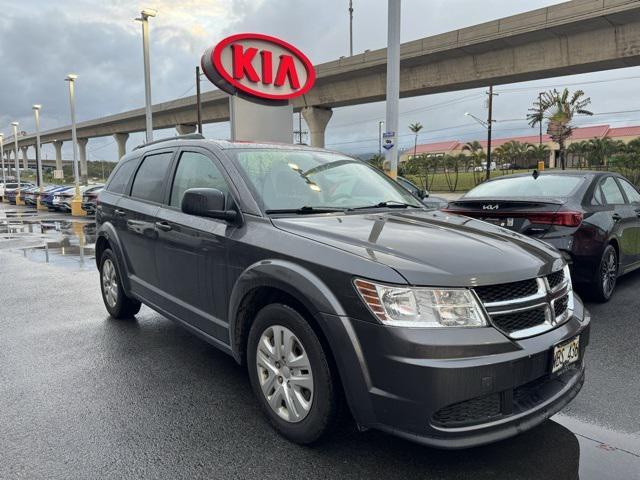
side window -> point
(120, 177)
(150, 177)
(630, 190)
(597, 196)
(611, 191)
(195, 170)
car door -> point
(191, 254)
(136, 218)
(624, 218)
(633, 200)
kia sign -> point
(259, 66)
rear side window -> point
(196, 170)
(150, 177)
(611, 191)
(632, 193)
(120, 177)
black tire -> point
(117, 303)
(325, 404)
(606, 276)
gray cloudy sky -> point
(43, 40)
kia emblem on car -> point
(491, 207)
(259, 66)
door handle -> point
(164, 226)
(616, 217)
(120, 213)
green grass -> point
(466, 180)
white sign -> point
(388, 134)
(58, 174)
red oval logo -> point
(259, 65)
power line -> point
(588, 82)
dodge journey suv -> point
(337, 287)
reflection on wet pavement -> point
(49, 238)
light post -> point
(393, 86)
(351, 28)
(486, 125)
(36, 114)
(144, 19)
(15, 142)
(380, 124)
(4, 177)
(76, 203)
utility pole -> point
(380, 123)
(540, 105)
(198, 104)
(489, 125)
(300, 132)
(351, 28)
(393, 86)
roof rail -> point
(188, 136)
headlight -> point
(421, 307)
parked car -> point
(324, 276)
(29, 195)
(591, 217)
(483, 167)
(48, 197)
(89, 199)
(423, 195)
(11, 190)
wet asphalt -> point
(85, 396)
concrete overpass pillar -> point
(82, 154)
(121, 140)
(317, 119)
(185, 128)
(25, 159)
(58, 146)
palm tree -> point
(600, 149)
(580, 150)
(377, 161)
(415, 128)
(514, 152)
(476, 157)
(538, 153)
(559, 109)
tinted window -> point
(195, 170)
(611, 191)
(543, 186)
(150, 177)
(632, 193)
(597, 196)
(120, 177)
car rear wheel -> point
(606, 276)
(115, 300)
(290, 374)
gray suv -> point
(337, 287)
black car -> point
(424, 196)
(330, 281)
(593, 218)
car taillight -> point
(565, 219)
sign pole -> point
(393, 87)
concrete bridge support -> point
(121, 140)
(57, 144)
(82, 155)
(25, 159)
(317, 119)
(185, 128)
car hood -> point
(430, 248)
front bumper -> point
(453, 388)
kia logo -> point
(491, 207)
(260, 66)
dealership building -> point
(455, 147)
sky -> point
(41, 41)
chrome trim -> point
(541, 293)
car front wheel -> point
(290, 374)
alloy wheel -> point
(284, 373)
(609, 273)
(109, 283)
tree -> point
(514, 152)
(415, 128)
(559, 109)
(418, 166)
(580, 150)
(474, 159)
(377, 161)
(538, 153)
(600, 149)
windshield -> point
(296, 179)
(543, 186)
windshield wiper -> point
(306, 210)
(387, 204)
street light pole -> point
(540, 105)
(198, 105)
(351, 28)
(4, 177)
(144, 19)
(393, 84)
(489, 124)
(76, 203)
(36, 114)
(380, 123)
(15, 142)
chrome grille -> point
(528, 307)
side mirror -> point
(422, 194)
(207, 202)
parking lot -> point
(86, 396)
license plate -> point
(565, 354)
(501, 222)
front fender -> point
(297, 281)
(108, 232)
